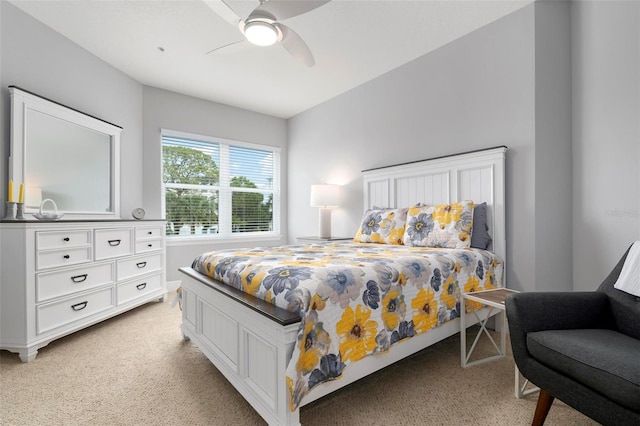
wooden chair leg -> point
(545, 399)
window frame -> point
(225, 233)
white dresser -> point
(60, 277)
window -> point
(216, 187)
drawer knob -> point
(79, 306)
(149, 245)
(150, 233)
(79, 278)
(141, 286)
(66, 239)
(114, 243)
(141, 264)
(66, 256)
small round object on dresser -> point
(138, 213)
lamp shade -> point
(325, 195)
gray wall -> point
(42, 61)
(553, 210)
(476, 92)
(606, 136)
(173, 111)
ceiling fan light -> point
(261, 33)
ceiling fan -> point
(263, 28)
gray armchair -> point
(582, 348)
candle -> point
(21, 195)
(10, 195)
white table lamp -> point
(325, 196)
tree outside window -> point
(197, 199)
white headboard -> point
(477, 176)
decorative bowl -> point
(48, 215)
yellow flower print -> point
(415, 210)
(290, 387)
(377, 238)
(450, 293)
(473, 285)
(251, 280)
(269, 297)
(316, 303)
(396, 235)
(314, 344)
(463, 236)
(402, 279)
(447, 213)
(357, 333)
(393, 308)
(425, 310)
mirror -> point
(64, 155)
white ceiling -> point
(353, 41)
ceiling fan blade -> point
(224, 11)
(283, 9)
(294, 44)
(235, 46)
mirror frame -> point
(21, 102)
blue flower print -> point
(371, 295)
(416, 268)
(405, 329)
(387, 276)
(298, 299)
(455, 313)
(480, 270)
(382, 339)
(436, 280)
(371, 224)
(331, 367)
(224, 265)
(340, 285)
(420, 226)
(285, 277)
(466, 258)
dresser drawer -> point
(132, 290)
(62, 239)
(111, 243)
(149, 245)
(57, 258)
(149, 232)
(50, 285)
(58, 314)
(129, 268)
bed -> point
(276, 322)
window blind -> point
(215, 187)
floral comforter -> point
(354, 299)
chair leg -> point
(545, 399)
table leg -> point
(521, 386)
(463, 333)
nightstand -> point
(323, 240)
(494, 300)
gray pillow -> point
(480, 237)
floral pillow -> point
(444, 226)
(384, 226)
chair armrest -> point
(529, 312)
(557, 310)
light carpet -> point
(135, 369)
